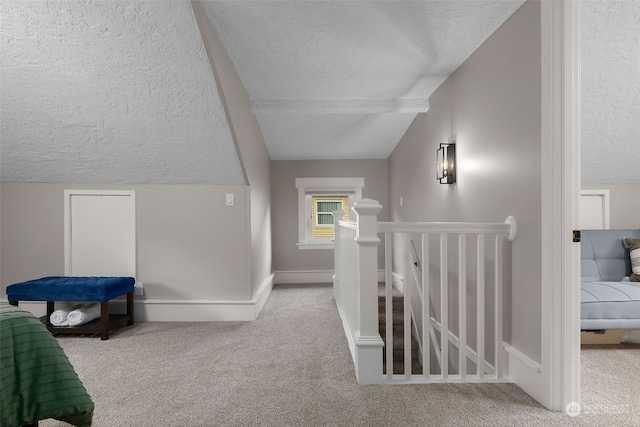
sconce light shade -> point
(446, 163)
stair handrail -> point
(509, 227)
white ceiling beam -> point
(341, 106)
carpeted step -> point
(398, 336)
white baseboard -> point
(527, 375)
(303, 276)
(203, 310)
(184, 310)
(310, 276)
(262, 295)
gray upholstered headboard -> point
(604, 256)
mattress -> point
(38, 381)
(71, 288)
(610, 305)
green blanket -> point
(37, 380)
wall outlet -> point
(139, 289)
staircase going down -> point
(398, 337)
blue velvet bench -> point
(78, 289)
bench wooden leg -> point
(50, 309)
(130, 308)
(104, 320)
(13, 303)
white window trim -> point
(307, 186)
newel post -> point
(368, 344)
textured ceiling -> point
(110, 92)
(611, 92)
(345, 79)
(121, 91)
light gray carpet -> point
(292, 367)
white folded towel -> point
(83, 315)
(59, 317)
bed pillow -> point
(634, 252)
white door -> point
(594, 209)
(100, 233)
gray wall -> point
(624, 203)
(284, 203)
(252, 150)
(189, 244)
(491, 107)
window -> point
(317, 199)
(322, 208)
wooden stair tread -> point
(398, 336)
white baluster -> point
(480, 307)
(444, 306)
(388, 243)
(462, 306)
(426, 314)
(498, 307)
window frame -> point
(309, 187)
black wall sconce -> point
(446, 163)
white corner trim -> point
(558, 382)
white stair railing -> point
(442, 273)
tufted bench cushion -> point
(71, 288)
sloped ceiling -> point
(611, 92)
(110, 92)
(345, 79)
(121, 91)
